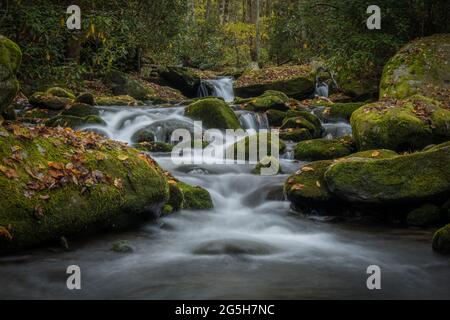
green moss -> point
(323, 149)
(308, 187)
(374, 154)
(214, 113)
(10, 54)
(268, 162)
(343, 111)
(73, 122)
(195, 198)
(421, 67)
(48, 101)
(275, 117)
(60, 92)
(244, 144)
(267, 102)
(10, 60)
(154, 146)
(81, 110)
(118, 101)
(71, 209)
(441, 240)
(410, 124)
(410, 178)
(176, 198)
(426, 215)
(295, 135)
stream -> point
(251, 246)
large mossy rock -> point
(295, 81)
(44, 100)
(424, 216)
(122, 85)
(10, 60)
(184, 79)
(81, 110)
(421, 67)
(404, 179)
(61, 93)
(441, 240)
(401, 125)
(214, 113)
(71, 184)
(324, 149)
(274, 100)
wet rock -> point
(81, 110)
(86, 98)
(275, 117)
(122, 247)
(257, 141)
(324, 149)
(340, 111)
(441, 240)
(271, 164)
(184, 79)
(401, 125)
(48, 101)
(118, 101)
(269, 100)
(61, 93)
(295, 135)
(408, 179)
(73, 122)
(303, 120)
(123, 85)
(214, 113)
(234, 247)
(36, 212)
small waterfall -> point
(253, 120)
(222, 88)
(337, 130)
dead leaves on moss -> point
(5, 233)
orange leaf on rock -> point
(8, 172)
(297, 186)
(307, 169)
(56, 165)
(118, 183)
(375, 154)
(5, 233)
(122, 157)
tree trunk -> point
(258, 32)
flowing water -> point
(218, 88)
(251, 246)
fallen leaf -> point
(318, 184)
(118, 183)
(39, 212)
(5, 233)
(56, 165)
(307, 169)
(44, 197)
(297, 187)
(8, 172)
(375, 154)
(122, 157)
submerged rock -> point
(122, 247)
(10, 60)
(421, 67)
(324, 149)
(69, 184)
(215, 114)
(234, 247)
(441, 240)
(410, 124)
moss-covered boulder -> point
(340, 111)
(421, 67)
(86, 98)
(406, 179)
(81, 110)
(118, 101)
(9, 113)
(374, 154)
(269, 100)
(61, 93)
(272, 165)
(195, 197)
(295, 135)
(307, 187)
(275, 117)
(154, 146)
(441, 240)
(424, 216)
(123, 85)
(324, 149)
(73, 122)
(49, 101)
(10, 60)
(295, 81)
(255, 142)
(71, 184)
(401, 125)
(214, 113)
